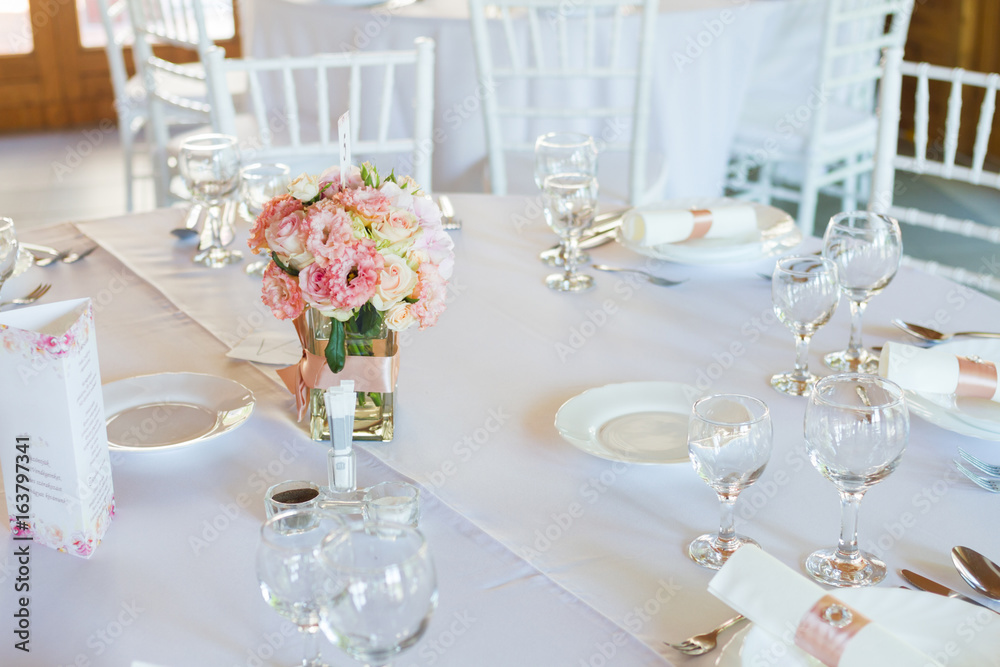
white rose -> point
(400, 317)
(305, 187)
(395, 282)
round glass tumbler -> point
(729, 441)
(856, 428)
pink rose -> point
(396, 282)
(280, 292)
(315, 286)
(400, 317)
(330, 230)
(437, 247)
(398, 226)
(275, 210)
(287, 237)
(332, 176)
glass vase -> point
(373, 410)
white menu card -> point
(53, 439)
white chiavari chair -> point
(936, 158)
(531, 75)
(275, 130)
(832, 148)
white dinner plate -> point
(634, 422)
(967, 635)
(172, 410)
(975, 417)
(777, 233)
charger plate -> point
(173, 410)
(634, 422)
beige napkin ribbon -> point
(826, 629)
(370, 374)
(976, 378)
(702, 223)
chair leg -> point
(849, 198)
(765, 183)
(807, 202)
(128, 148)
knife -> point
(40, 249)
(930, 586)
(604, 232)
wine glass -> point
(564, 153)
(805, 293)
(8, 249)
(259, 183)
(856, 428)
(289, 569)
(729, 441)
(866, 248)
(570, 201)
(210, 165)
(380, 590)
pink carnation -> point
(332, 176)
(430, 292)
(329, 231)
(348, 282)
(274, 211)
(280, 292)
(367, 202)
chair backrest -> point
(854, 36)
(279, 87)
(938, 158)
(117, 35)
(566, 42)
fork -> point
(448, 219)
(656, 280)
(31, 297)
(988, 484)
(77, 256)
(45, 261)
(701, 644)
(988, 468)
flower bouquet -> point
(351, 266)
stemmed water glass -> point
(259, 183)
(856, 428)
(729, 441)
(290, 571)
(564, 153)
(8, 249)
(570, 201)
(380, 590)
(210, 165)
(805, 293)
(866, 248)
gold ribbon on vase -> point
(827, 628)
(370, 374)
(976, 378)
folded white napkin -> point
(938, 372)
(795, 609)
(269, 347)
(651, 227)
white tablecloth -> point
(546, 555)
(704, 55)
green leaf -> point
(368, 320)
(284, 267)
(336, 347)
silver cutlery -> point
(37, 250)
(703, 643)
(988, 484)
(46, 261)
(983, 466)
(932, 336)
(32, 296)
(191, 221)
(74, 257)
(656, 280)
(604, 231)
(448, 220)
(930, 586)
(979, 572)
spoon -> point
(656, 280)
(933, 336)
(979, 572)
